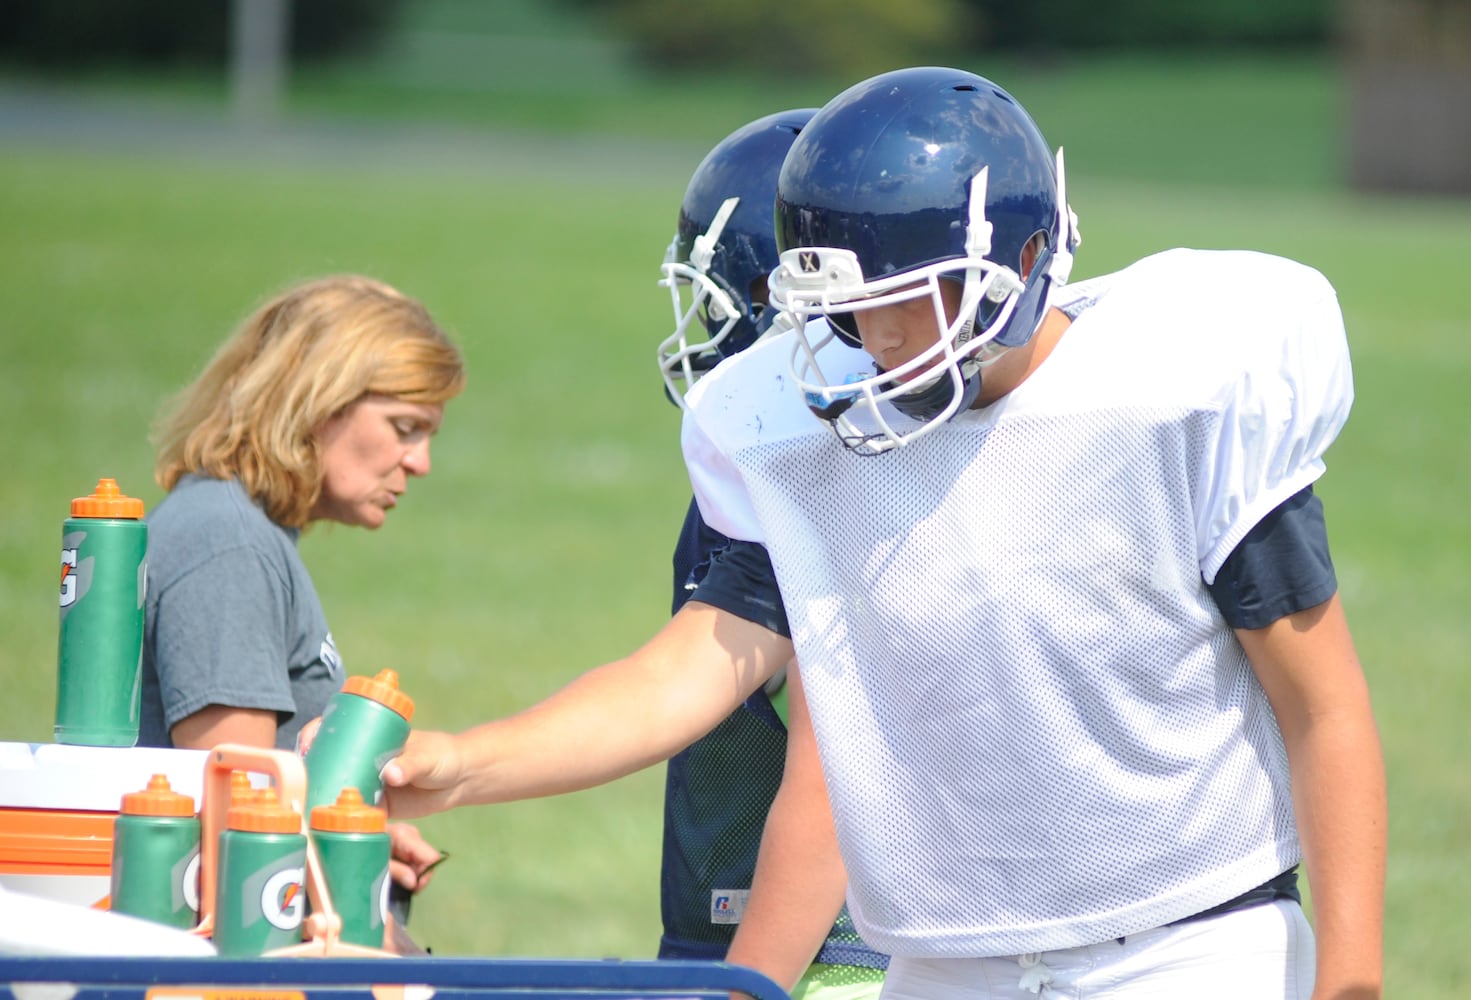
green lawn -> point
(540, 544)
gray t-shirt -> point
(231, 615)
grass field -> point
(539, 546)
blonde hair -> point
(303, 357)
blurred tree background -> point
(63, 35)
(1404, 65)
(858, 37)
(843, 37)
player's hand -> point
(412, 858)
(424, 778)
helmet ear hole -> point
(1031, 250)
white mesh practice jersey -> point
(1036, 728)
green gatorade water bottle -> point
(352, 845)
(260, 894)
(155, 856)
(364, 726)
(104, 547)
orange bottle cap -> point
(158, 799)
(262, 813)
(384, 689)
(350, 814)
(240, 786)
(108, 501)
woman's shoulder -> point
(202, 500)
(201, 517)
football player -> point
(719, 789)
(1072, 666)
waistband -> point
(1282, 886)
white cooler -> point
(57, 806)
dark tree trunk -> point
(1408, 70)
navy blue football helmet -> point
(906, 180)
(723, 248)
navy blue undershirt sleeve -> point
(1281, 567)
(697, 543)
(739, 579)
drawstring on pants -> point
(1035, 975)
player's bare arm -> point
(1307, 665)
(693, 673)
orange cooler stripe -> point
(55, 841)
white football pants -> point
(1264, 952)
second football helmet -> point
(902, 182)
(724, 246)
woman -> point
(320, 407)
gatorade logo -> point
(282, 901)
(191, 883)
(70, 583)
(384, 884)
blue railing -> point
(490, 978)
